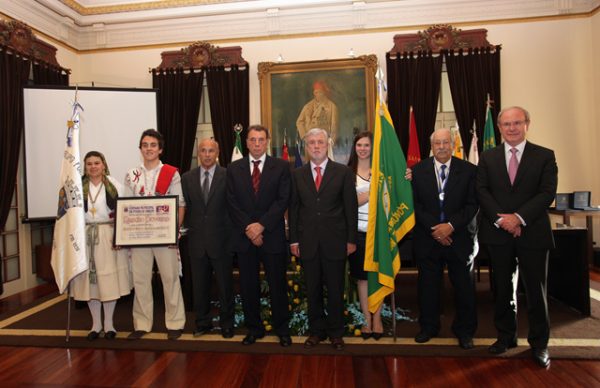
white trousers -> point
(143, 305)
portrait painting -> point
(335, 95)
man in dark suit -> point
(445, 204)
(323, 223)
(209, 230)
(258, 192)
(516, 182)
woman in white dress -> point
(108, 277)
(360, 163)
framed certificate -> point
(146, 221)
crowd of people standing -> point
(241, 211)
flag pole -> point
(394, 314)
(68, 334)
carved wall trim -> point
(20, 39)
(440, 37)
(202, 54)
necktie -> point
(206, 186)
(441, 190)
(513, 165)
(255, 176)
(318, 178)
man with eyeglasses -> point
(445, 204)
(516, 183)
(258, 193)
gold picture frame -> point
(289, 93)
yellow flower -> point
(293, 259)
(298, 268)
(268, 328)
(265, 323)
(357, 332)
(351, 327)
(290, 283)
(296, 300)
(296, 287)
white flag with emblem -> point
(68, 247)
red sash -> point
(164, 179)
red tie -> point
(255, 176)
(318, 178)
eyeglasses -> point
(508, 124)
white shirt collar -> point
(322, 165)
(520, 148)
(438, 164)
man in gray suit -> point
(209, 230)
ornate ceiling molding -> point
(133, 7)
(240, 20)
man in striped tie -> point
(258, 193)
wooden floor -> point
(102, 368)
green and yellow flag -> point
(489, 138)
(391, 212)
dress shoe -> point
(377, 336)
(201, 330)
(313, 341)
(93, 335)
(366, 336)
(285, 340)
(136, 335)
(423, 337)
(227, 332)
(174, 334)
(500, 347)
(466, 343)
(541, 356)
(110, 335)
(337, 343)
(249, 339)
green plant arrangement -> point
(354, 319)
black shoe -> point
(466, 343)
(423, 337)
(541, 356)
(201, 330)
(136, 335)
(337, 343)
(285, 340)
(376, 336)
(174, 334)
(110, 335)
(366, 336)
(500, 347)
(227, 332)
(249, 339)
(93, 335)
(314, 340)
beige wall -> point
(546, 67)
